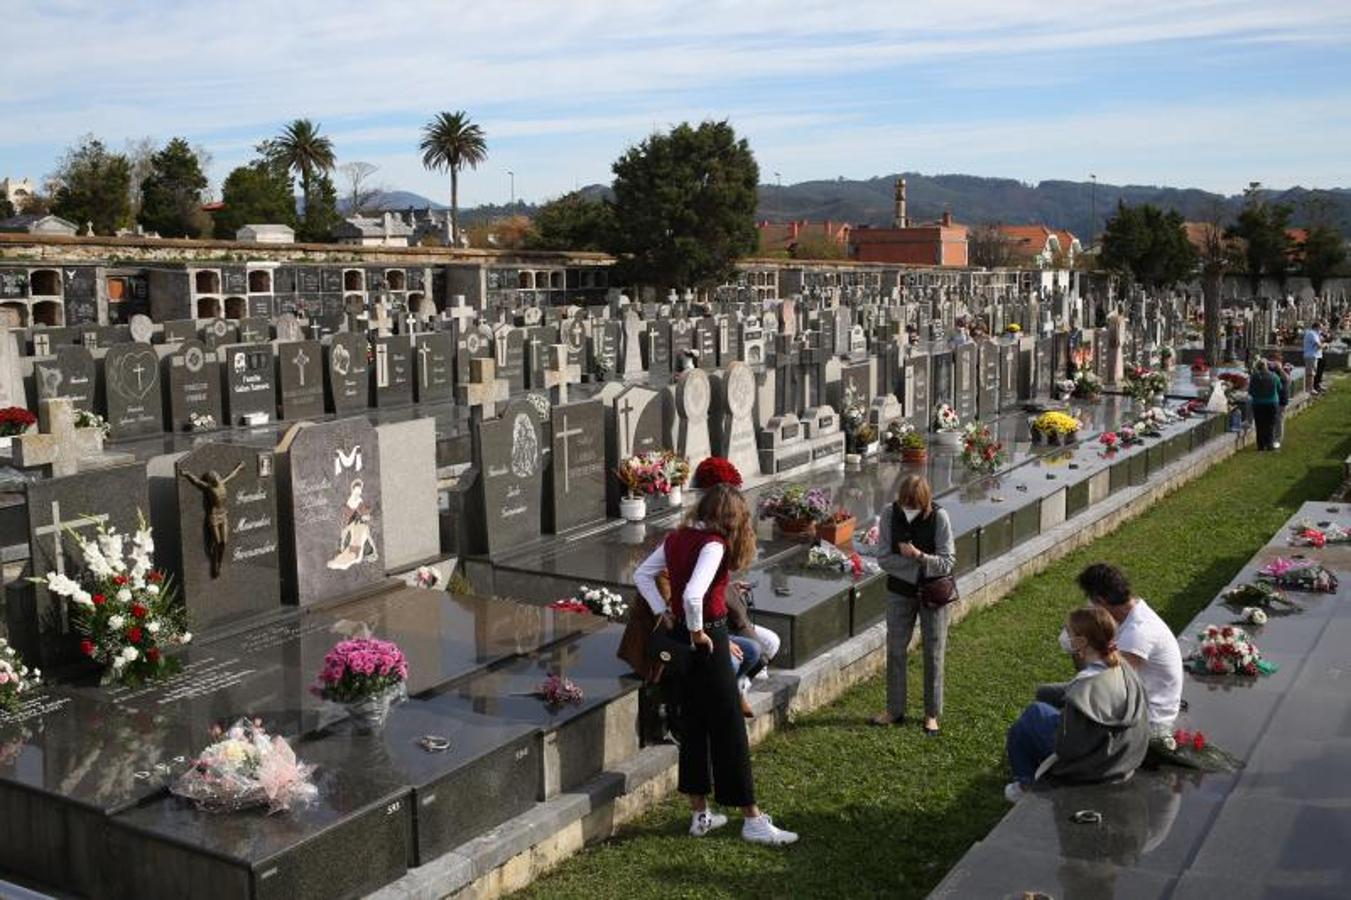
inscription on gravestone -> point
(392, 381)
(347, 373)
(510, 457)
(577, 471)
(250, 388)
(132, 378)
(434, 364)
(226, 533)
(300, 379)
(71, 373)
(193, 375)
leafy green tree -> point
(260, 193)
(95, 187)
(171, 195)
(321, 212)
(1323, 254)
(685, 206)
(1148, 245)
(449, 143)
(6, 208)
(1263, 228)
(572, 222)
(817, 247)
(304, 150)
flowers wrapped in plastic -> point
(246, 767)
(1227, 650)
(1259, 595)
(599, 601)
(1299, 575)
(827, 556)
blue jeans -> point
(750, 654)
(1031, 739)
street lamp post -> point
(778, 178)
(512, 175)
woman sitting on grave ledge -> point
(1092, 728)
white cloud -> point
(555, 83)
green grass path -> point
(888, 812)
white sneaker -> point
(704, 822)
(743, 685)
(1014, 791)
(1275, 445)
(762, 675)
(762, 831)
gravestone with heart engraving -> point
(131, 376)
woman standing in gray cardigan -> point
(914, 545)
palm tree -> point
(450, 141)
(304, 150)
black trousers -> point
(1264, 418)
(715, 754)
(1318, 375)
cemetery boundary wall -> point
(516, 853)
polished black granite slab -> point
(809, 609)
(1279, 827)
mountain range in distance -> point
(972, 200)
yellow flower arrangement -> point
(1056, 423)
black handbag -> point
(673, 655)
(937, 592)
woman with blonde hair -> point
(1092, 728)
(716, 539)
(915, 548)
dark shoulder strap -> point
(899, 526)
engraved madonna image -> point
(355, 543)
(524, 447)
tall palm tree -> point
(450, 141)
(305, 151)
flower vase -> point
(633, 509)
(6, 444)
(676, 497)
(368, 714)
(909, 455)
(950, 439)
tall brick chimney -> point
(900, 219)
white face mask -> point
(1065, 643)
(910, 512)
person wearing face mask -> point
(1093, 728)
(916, 550)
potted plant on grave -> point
(838, 529)
(896, 430)
(865, 439)
(1055, 427)
(1012, 330)
(1145, 386)
(124, 609)
(366, 675)
(980, 451)
(854, 417)
(1109, 441)
(677, 475)
(1166, 357)
(14, 421)
(1087, 386)
(913, 448)
(796, 508)
(643, 475)
(947, 426)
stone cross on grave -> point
(558, 373)
(58, 527)
(484, 390)
(563, 435)
(300, 361)
(424, 352)
(61, 445)
(463, 314)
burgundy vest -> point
(682, 552)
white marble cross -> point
(56, 529)
(484, 390)
(558, 373)
(62, 445)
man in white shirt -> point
(1143, 638)
(1313, 358)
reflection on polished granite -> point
(1279, 827)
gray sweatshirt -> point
(1104, 730)
(937, 564)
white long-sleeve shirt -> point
(705, 570)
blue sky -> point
(1204, 93)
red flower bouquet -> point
(716, 470)
(15, 420)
